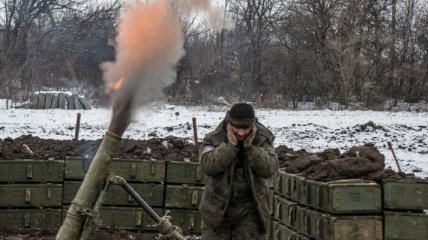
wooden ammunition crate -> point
(131, 170)
(31, 171)
(405, 194)
(30, 218)
(408, 226)
(31, 195)
(152, 193)
(185, 173)
(183, 196)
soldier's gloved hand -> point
(249, 139)
(231, 136)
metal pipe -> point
(82, 205)
(120, 181)
(163, 224)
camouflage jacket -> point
(217, 158)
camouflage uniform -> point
(235, 202)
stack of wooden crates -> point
(119, 210)
(347, 209)
(37, 194)
(183, 192)
(31, 193)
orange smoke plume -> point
(148, 47)
(115, 86)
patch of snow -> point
(313, 130)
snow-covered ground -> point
(311, 130)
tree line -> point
(279, 51)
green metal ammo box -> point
(131, 170)
(153, 194)
(344, 196)
(34, 195)
(125, 218)
(183, 196)
(406, 193)
(277, 182)
(324, 226)
(284, 210)
(30, 218)
(300, 193)
(272, 181)
(288, 215)
(405, 226)
(288, 186)
(185, 173)
(351, 228)
(271, 196)
(34, 171)
(282, 232)
(188, 220)
(277, 207)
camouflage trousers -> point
(247, 228)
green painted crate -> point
(153, 194)
(343, 196)
(125, 218)
(185, 173)
(132, 170)
(407, 194)
(30, 218)
(188, 220)
(31, 171)
(405, 226)
(183, 196)
(30, 195)
(282, 232)
(322, 226)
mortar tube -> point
(82, 205)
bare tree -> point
(256, 21)
(43, 40)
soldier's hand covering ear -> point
(231, 136)
(249, 139)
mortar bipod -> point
(163, 224)
(93, 217)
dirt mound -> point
(30, 147)
(359, 162)
(365, 162)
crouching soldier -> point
(238, 157)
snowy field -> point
(311, 130)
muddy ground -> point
(34, 234)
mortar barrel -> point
(83, 203)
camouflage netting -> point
(364, 162)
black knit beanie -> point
(241, 111)
(242, 115)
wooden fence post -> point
(77, 129)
